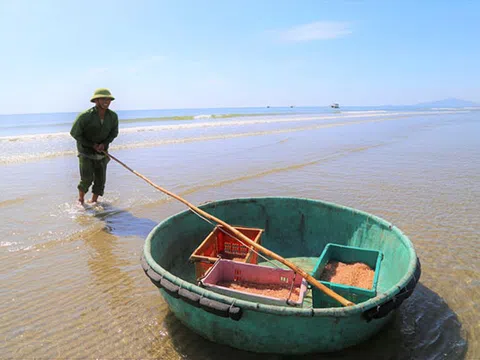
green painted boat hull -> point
(297, 229)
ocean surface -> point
(71, 281)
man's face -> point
(103, 103)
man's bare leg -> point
(81, 197)
(94, 198)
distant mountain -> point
(446, 103)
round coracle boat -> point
(309, 233)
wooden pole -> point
(244, 238)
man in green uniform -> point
(94, 130)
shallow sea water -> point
(72, 285)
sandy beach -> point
(72, 284)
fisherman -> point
(94, 130)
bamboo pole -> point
(244, 238)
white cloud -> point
(320, 30)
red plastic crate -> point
(221, 245)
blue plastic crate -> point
(348, 255)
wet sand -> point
(73, 287)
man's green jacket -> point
(89, 130)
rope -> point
(291, 287)
(277, 257)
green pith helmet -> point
(101, 93)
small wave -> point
(13, 246)
(33, 136)
(197, 117)
(270, 120)
(193, 117)
(325, 121)
(7, 243)
(138, 120)
(12, 159)
(366, 112)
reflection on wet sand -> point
(72, 285)
(113, 284)
(409, 335)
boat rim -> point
(284, 310)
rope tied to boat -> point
(291, 288)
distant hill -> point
(446, 103)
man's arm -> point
(77, 131)
(113, 133)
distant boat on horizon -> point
(335, 106)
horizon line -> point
(254, 107)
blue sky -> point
(186, 54)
